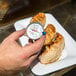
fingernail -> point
(44, 33)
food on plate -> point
(40, 17)
(50, 34)
(51, 53)
(54, 42)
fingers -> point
(34, 47)
(30, 60)
(17, 34)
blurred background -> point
(63, 10)
(13, 9)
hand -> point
(14, 57)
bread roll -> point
(50, 34)
(52, 53)
(40, 17)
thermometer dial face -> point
(34, 30)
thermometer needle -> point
(34, 30)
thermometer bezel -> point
(29, 26)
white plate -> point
(68, 57)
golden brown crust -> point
(40, 17)
(52, 52)
(50, 33)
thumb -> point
(17, 34)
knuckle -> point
(27, 64)
(23, 56)
(6, 39)
(14, 33)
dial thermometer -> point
(34, 30)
